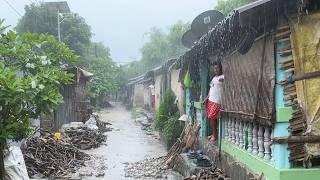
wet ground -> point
(126, 143)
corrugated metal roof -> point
(252, 5)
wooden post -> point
(204, 92)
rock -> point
(72, 125)
(100, 173)
(91, 123)
(75, 178)
(86, 173)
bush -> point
(167, 118)
(172, 130)
(166, 110)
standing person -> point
(214, 100)
(152, 93)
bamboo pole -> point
(296, 139)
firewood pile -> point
(85, 138)
(209, 174)
(187, 139)
(48, 157)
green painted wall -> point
(284, 114)
(257, 166)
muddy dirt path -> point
(127, 143)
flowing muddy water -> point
(126, 144)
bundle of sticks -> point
(209, 174)
(85, 138)
(48, 157)
(187, 139)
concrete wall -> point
(178, 90)
(147, 95)
(158, 93)
(138, 95)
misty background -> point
(121, 25)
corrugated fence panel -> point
(243, 96)
(66, 111)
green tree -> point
(226, 6)
(38, 18)
(30, 81)
(2, 26)
(76, 34)
(105, 75)
(159, 48)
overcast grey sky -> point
(122, 25)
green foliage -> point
(30, 80)
(167, 118)
(159, 48)
(2, 26)
(107, 76)
(167, 109)
(226, 6)
(105, 73)
(172, 130)
(75, 32)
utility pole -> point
(60, 20)
(59, 36)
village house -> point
(270, 118)
(76, 106)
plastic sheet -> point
(15, 167)
(306, 46)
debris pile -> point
(185, 142)
(209, 174)
(85, 138)
(149, 168)
(102, 125)
(48, 157)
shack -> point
(76, 106)
(270, 121)
(135, 92)
(269, 125)
(161, 78)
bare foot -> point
(213, 139)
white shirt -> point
(216, 89)
(152, 90)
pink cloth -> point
(213, 110)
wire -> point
(13, 8)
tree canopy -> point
(76, 34)
(30, 80)
(38, 18)
(160, 47)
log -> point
(296, 139)
(306, 76)
(283, 35)
(286, 61)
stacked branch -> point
(209, 174)
(51, 158)
(85, 138)
(186, 140)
